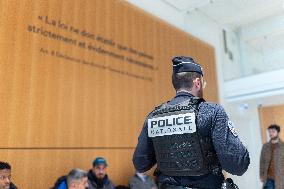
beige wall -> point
(59, 113)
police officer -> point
(190, 140)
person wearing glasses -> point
(77, 179)
(5, 176)
(189, 139)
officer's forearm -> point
(236, 164)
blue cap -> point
(186, 64)
(99, 161)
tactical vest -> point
(179, 148)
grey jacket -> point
(136, 182)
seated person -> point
(97, 176)
(142, 181)
(76, 179)
(5, 176)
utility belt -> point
(227, 184)
(169, 186)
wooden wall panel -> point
(271, 115)
(83, 75)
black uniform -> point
(214, 123)
(191, 141)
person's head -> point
(99, 167)
(77, 179)
(187, 76)
(5, 175)
(273, 131)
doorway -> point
(271, 115)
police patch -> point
(170, 125)
(232, 128)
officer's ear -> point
(197, 83)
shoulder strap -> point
(192, 103)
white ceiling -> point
(231, 12)
(242, 15)
(258, 23)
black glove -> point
(229, 184)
